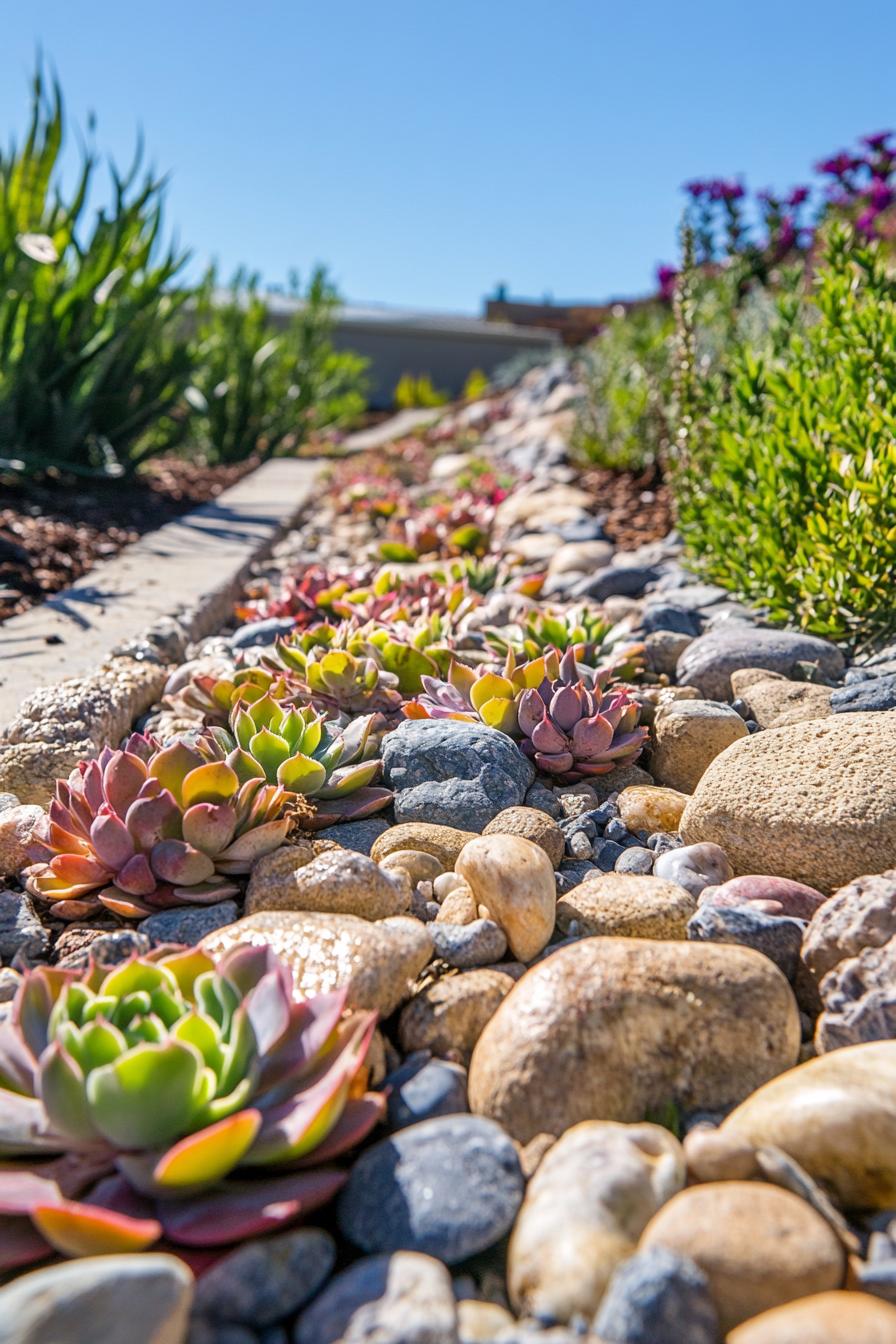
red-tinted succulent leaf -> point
(209, 1155)
(22, 1190)
(238, 1210)
(358, 1118)
(76, 909)
(21, 1244)
(136, 877)
(86, 1229)
(122, 905)
(111, 840)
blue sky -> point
(427, 150)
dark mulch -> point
(53, 531)
(638, 504)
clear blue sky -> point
(426, 149)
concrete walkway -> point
(191, 566)
(396, 427)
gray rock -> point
(454, 774)
(9, 984)
(658, 1297)
(188, 923)
(878, 1278)
(606, 854)
(544, 800)
(116, 1299)
(265, 1280)
(7, 801)
(478, 943)
(615, 581)
(859, 997)
(448, 1187)
(578, 845)
(111, 949)
(571, 872)
(261, 632)
(21, 932)
(357, 835)
(635, 860)
(776, 937)
(877, 694)
(710, 660)
(204, 1331)
(424, 1087)
(670, 616)
(383, 1299)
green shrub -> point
(786, 482)
(476, 386)
(412, 393)
(623, 418)
(261, 387)
(88, 355)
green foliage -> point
(261, 387)
(787, 487)
(88, 358)
(476, 386)
(623, 419)
(412, 393)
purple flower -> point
(798, 196)
(722, 190)
(666, 277)
(696, 188)
(786, 236)
(878, 140)
(880, 194)
(866, 222)
(839, 165)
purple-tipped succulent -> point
(173, 1096)
(144, 827)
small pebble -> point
(578, 846)
(467, 945)
(424, 1087)
(635, 860)
(606, 853)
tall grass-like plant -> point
(261, 386)
(786, 487)
(88, 354)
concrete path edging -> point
(190, 569)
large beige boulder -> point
(615, 1028)
(337, 882)
(773, 701)
(813, 801)
(378, 962)
(823, 1318)
(759, 1246)
(836, 1116)
(627, 905)
(688, 736)
(586, 1206)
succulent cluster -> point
(147, 826)
(561, 714)
(160, 1079)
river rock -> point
(459, 906)
(627, 905)
(513, 880)
(694, 867)
(824, 1318)
(612, 1029)
(586, 1206)
(811, 801)
(759, 1246)
(423, 1087)
(871, 696)
(533, 825)
(448, 1016)
(443, 842)
(378, 961)
(338, 882)
(188, 924)
(454, 774)
(776, 938)
(360, 836)
(416, 863)
(467, 945)
(384, 1299)
(861, 914)
(266, 1279)
(448, 1187)
(21, 932)
(859, 997)
(834, 1115)
(644, 808)
(772, 701)
(770, 895)
(689, 734)
(658, 1297)
(100, 1297)
(16, 825)
(709, 662)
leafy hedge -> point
(786, 480)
